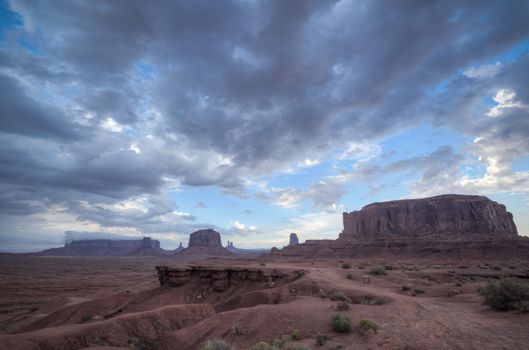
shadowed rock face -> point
(293, 240)
(205, 238)
(447, 217)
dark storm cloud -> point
(20, 114)
(231, 89)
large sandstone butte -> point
(447, 226)
(203, 244)
(447, 217)
(205, 238)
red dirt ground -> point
(116, 303)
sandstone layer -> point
(446, 217)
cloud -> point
(483, 72)
(108, 104)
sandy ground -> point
(109, 303)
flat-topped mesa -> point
(205, 238)
(446, 217)
(203, 244)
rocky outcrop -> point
(446, 217)
(203, 244)
(294, 241)
(205, 238)
(448, 226)
(107, 247)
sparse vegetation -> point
(339, 296)
(343, 306)
(369, 300)
(388, 267)
(86, 318)
(217, 344)
(507, 294)
(378, 271)
(366, 324)
(321, 340)
(341, 323)
(237, 329)
(346, 265)
(279, 342)
(297, 347)
(295, 335)
(262, 345)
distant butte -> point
(446, 217)
(449, 225)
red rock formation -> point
(203, 244)
(446, 217)
(449, 226)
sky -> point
(256, 118)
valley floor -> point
(117, 303)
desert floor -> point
(110, 303)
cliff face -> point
(107, 247)
(203, 244)
(447, 217)
(205, 238)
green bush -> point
(506, 294)
(366, 324)
(295, 335)
(217, 344)
(341, 324)
(378, 271)
(346, 266)
(339, 296)
(321, 340)
(262, 345)
(297, 347)
(342, 306)
(86, 318)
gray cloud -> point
(233, 90)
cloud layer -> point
(108, 107)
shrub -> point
(346, 266)
(262, 345)
(237, 329)
(378, 271)
(418, 291)
(86, 318)
(279, 342)
(366, 324)
(339, 296)
(343, 306)
(297, 347)
(506, 294)
(388, 267)
(295, 335)
(349, 276)
(321, 340)
(405, 288)
(341, 324)
(217, 344)
(369, 300)
(262, 264)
